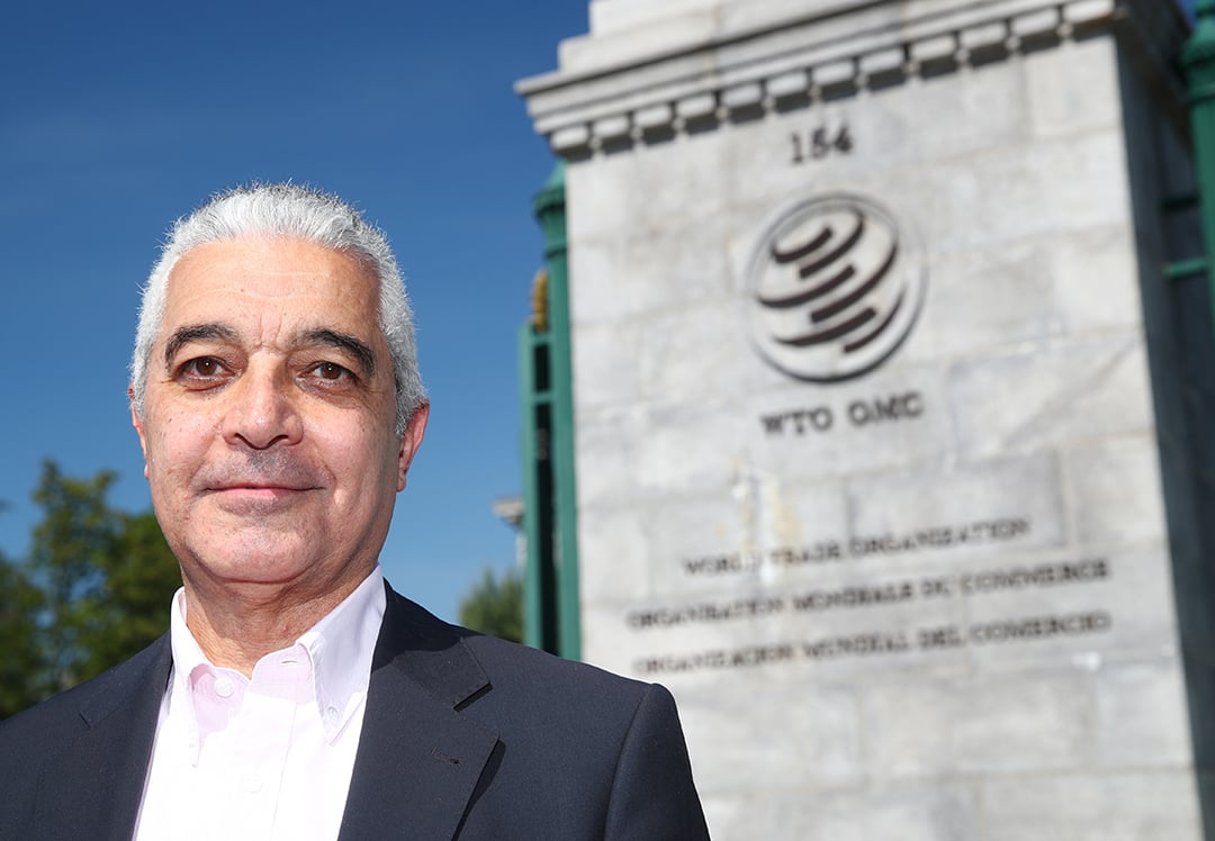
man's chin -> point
(255, 572)
(256, 556)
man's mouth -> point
(258, 484)
(259, 488)
(257, 497)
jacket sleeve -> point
(653, 797)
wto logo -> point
(835, 289)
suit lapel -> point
(418, 759)
(106, 766)
(416, 769)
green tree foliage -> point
(22, 660)
(94, 590)
(495, 606)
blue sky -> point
(113, 123)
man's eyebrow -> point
(193, 333)
(356, 347)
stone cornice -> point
(824, 56)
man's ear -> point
(411, 439)
(137, 422)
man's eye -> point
(202, 368)
(331, 372)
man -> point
(277, 400)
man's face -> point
(267, 425)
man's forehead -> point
(272, 268)
(255, 289)
(259, 257)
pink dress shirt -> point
(270, 757)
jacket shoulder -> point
(35, 743)
(615, 744)
(49, 724)
(517, 675)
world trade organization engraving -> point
(836, 286)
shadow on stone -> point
(747, 114)
(658, 135)
(616, 145)
(1039, 42)
(935, 67)
(989, 54)
(838, 91)
(796, 102)
(702, 125)
(887, 79)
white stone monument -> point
(869, 440)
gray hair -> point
(288, 210)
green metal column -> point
(539, 578)
(1198, 59)
(549, 206)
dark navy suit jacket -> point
(464, 736)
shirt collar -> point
(340, 648)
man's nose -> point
(262, 411)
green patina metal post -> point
(1198, 59)
(531, 503)
(539, 585)
(549, 207)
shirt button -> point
(223, 686)
(331, 715)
